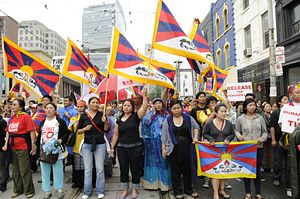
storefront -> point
(258, 74)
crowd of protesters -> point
(154, 140)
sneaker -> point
(60, 194)
(206, 184)
(101, 195)
(15, 195)
(2, 189)
(47, 195)
(227, 186)
(289, 192)
(85, 197)
(30, 195)
(263, 180)
(276, 183)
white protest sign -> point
(237, 91)
(57, 62)
(289, 118)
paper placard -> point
(289, 118)
(237, 91)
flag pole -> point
(106, 91)
(149, 63)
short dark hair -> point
(279, 100)
(71, 99)
(115, 102)
(51, 103)
(49, 97)
(32, 101)
(251, 95)
(211, 99)
(200, 93)
(217, 108)
(246, 102)
(174, 102)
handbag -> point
(50, 158)
(71, 140)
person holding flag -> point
(251, 126)
(219, 130)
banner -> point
(57, 63)
(125, 62)
(289, 117)
(235, 160)
(237, 91)
(27, 69)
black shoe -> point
(2, 189)
(68, 163)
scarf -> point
(17, 114)
(186, 118)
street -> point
(113, 191)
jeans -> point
(257, 181)
(58, 175)
(99, 156)
(130, 158)
(281, 154)
(4, 169)
(21, 172)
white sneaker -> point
(206, 184)
(289, 192)
(101, 195)
(85, 197)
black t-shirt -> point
(182, 149)
(3, 125)
(274, 123)
(129, 131)
(89, 135)
(213, 134)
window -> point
(25, 44)
(296, 19)
(26, 38)
(245, 4)
(31, 38)
(217, 27)
(265, 30)
(36, 44)
(21, 32)
(37, 32)
(218, 58)
(21, 38)
(31, 44)
(247, 32)
(227, 55)
(225, 18)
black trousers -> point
(130, 158)
(280, 154)
(4, 169)
(257, 181)
(181, 172)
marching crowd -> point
(154, 140)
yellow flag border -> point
(112, 61)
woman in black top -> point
(93, 124)
(219, 130)
(129, 144)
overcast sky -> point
(65, 16)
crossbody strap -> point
(94, 124)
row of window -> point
(225, 22)
(226, 56)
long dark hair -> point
(132, 104)
(21, 104)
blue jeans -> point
(99, 155)
(58, 175)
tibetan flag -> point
(209, 85)
(126, 62)
(15, 91)
(137, 90)
(166, 69)
(38, 117)
(27, 69)
(235, 160)
(170, 38)
(220, 77)
(78, 67)
(202, 46)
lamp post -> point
(177, 66)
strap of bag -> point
(94, 124)
(99, 130)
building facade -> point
(223, 37)
(288, 27)
(9, 28)
(97, 26)
(252, 44)
(33, 35)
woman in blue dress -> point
(157, 171)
